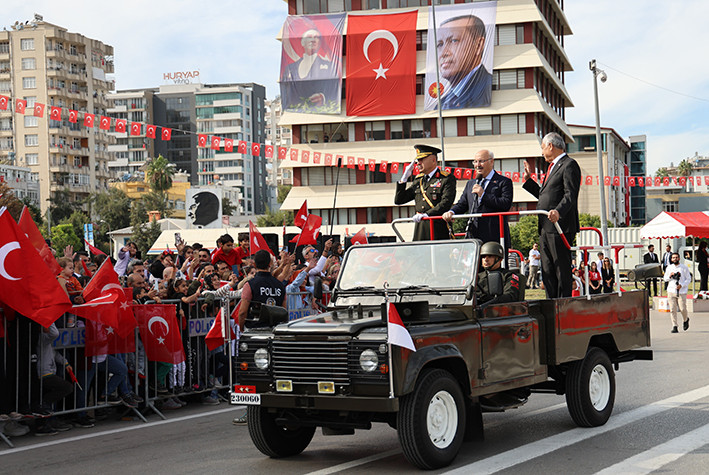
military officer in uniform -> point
(433, 191)
(492, 254)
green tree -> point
(283, 191)
(77, 219)
(524, 234)
(228, 208)
(145, 235)
(159, 172)
(154, 201)
(61, 206)
(110, 206)
(10, 201)
(685, 168)
(275, 219)
(63, 235)
(662, 172)
(588, 221)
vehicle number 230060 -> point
(248, 399)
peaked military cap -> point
(423, 151)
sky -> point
(658, 73)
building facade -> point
(131, 151)
(22, 181)
(46, 64)
(528, 100)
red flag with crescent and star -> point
(269, 151)
(228, 145)
(166, 133)
(104, 286)
(20, 106)
(55, 113)
(381, 64)
(310, 232)
(302, 215)
(27, 224)
(256, 240)
(121, 125)
(105, 123)
(150, 131)
(160, 332)
(26, 283)
(201, 140)
(216, 336)
(38, 109)
(4, 100)
(73, 116)
(89, 120)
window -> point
(670, 206)
(30, 121)
(32, 140)
(30, 101)
(27, 44)
(29, 83)
(32, 158)
(450, 126)
(4, 86)
(506, 35)
(29, 63)
(374, 130)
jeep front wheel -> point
(273, 439)
(431, 420)
(590, 389)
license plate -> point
(247, 399)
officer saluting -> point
(433, 191)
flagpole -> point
(391, 373)
(334, 198)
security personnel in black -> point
(432, 189)
(513, 284)
(263, 287)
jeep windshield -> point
(415, 266)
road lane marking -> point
(355, 463)
(547, 445)
(117, 431)
(659, 456)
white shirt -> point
(684, 279)
(534, 256)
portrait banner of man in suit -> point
(465, 35)
(311, 63)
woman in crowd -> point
(594, 279)
(577, 289)
(608, 275)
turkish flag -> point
(515, 177)
(360, 237)
(216, 335)
(316, 157)
(102, 339)
(150, 131)
(616, 181)
(631, 181)
(28, 226)
(350, 162)
(360, 163)
(103, 309)
(136, 128)
(458, 173)
(4, 100)
(269, 151)
(256, 240)
(243, 147)
(215, 143)
(328, 159)
(394, 167)
(105, 123)
(305, 156)
(589, 180)
(302, 215)
(294, 154)
(26, 283)
(20, 106)
(381, 64)
(397, 334)
(105, 282)
(160, 332)
(166, 133)
(310, 232)
(73, 116)
(121, 125)
(282, 152)
(228, 145)
(38, 109)
(94, 250)
(201, 140)
(89, 120)
(706, 180)
(372, 165)
(255, 149)
(383, 166)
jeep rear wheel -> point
(431, 420)
(590, 389)
(276, 440)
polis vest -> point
(267, 289)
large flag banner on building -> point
(381, 64)
(311, 63)
(465, 38)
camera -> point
(675, 276)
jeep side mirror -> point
(317, 288)
(494, 283)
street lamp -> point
(599, 73)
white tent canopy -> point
(673, 225)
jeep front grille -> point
(308, 362)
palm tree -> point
(662, 172)
(684, 168)
(159, 172)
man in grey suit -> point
(558, 194)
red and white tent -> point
(673, 225)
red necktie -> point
(551, 165)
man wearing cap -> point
(489, 192)
(433, 191)
(491, 254)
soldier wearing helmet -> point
(492, 254)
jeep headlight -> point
(368, 360)
(261, 358)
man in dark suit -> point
(433, 191)
(461, 43)
(651, 258)
(489, 192)
(558, 194)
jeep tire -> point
(275, 440)
(590, 389)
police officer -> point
(492, 254)
(433, 191)
(263, 287)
